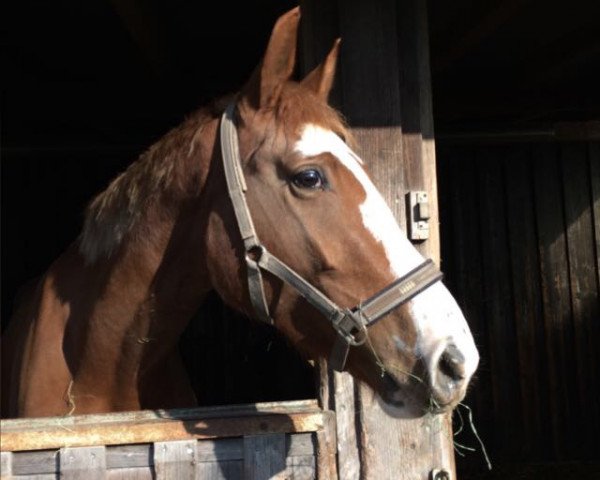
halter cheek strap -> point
(350, 324)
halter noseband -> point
(350, 324)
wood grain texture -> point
(527, 303)
(497, 292)
(83, 463)
(134, 473)
(53, 435)
(6, 465)
(301, 468)
(264, 457)
(224, 411)
(128, 456)
(326, 450)
(222, 470)
(549, 195)
(34, 463)
(582, 280)
(206, 459)
(594, 156)
(346, 410)
(555, 291)
(176, 459)
(594, 159)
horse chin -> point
(408, 399)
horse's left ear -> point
(320, 80)
(264, 87)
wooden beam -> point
(148, 427)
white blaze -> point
(438, 318)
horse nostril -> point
(452, 363)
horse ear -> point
(277, 65)
(320, 80)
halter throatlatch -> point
(350, 324)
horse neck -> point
(156, 279)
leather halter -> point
(350, 324)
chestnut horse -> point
(99, 332)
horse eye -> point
(310, 178)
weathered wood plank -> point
(583, 283)
(221, 470)
(555, 290)
(527, 305)
(552, 221)
(326, 450)
(129, 456)
(594, 161)
(6, 465)
(216, 459)
(498, 294)
(39, 476)
(33, 463)
(53, 436)
(301, 444)
(225, 411)
(264, 457)
(133, 473)
(325, 389)
(220, 450)
(83, 463)
(345, 408)
(301, 468)
(175, 460)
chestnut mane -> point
(118, 211)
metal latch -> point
(418, 215)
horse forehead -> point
(315, 139)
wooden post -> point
(384, 90)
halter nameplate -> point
(350, 324)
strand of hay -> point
(474, 430)
(70, 399)
(380, 363)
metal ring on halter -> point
(255, 252)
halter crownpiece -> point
(350, 324)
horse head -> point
(315, 209)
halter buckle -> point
(348, 324)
